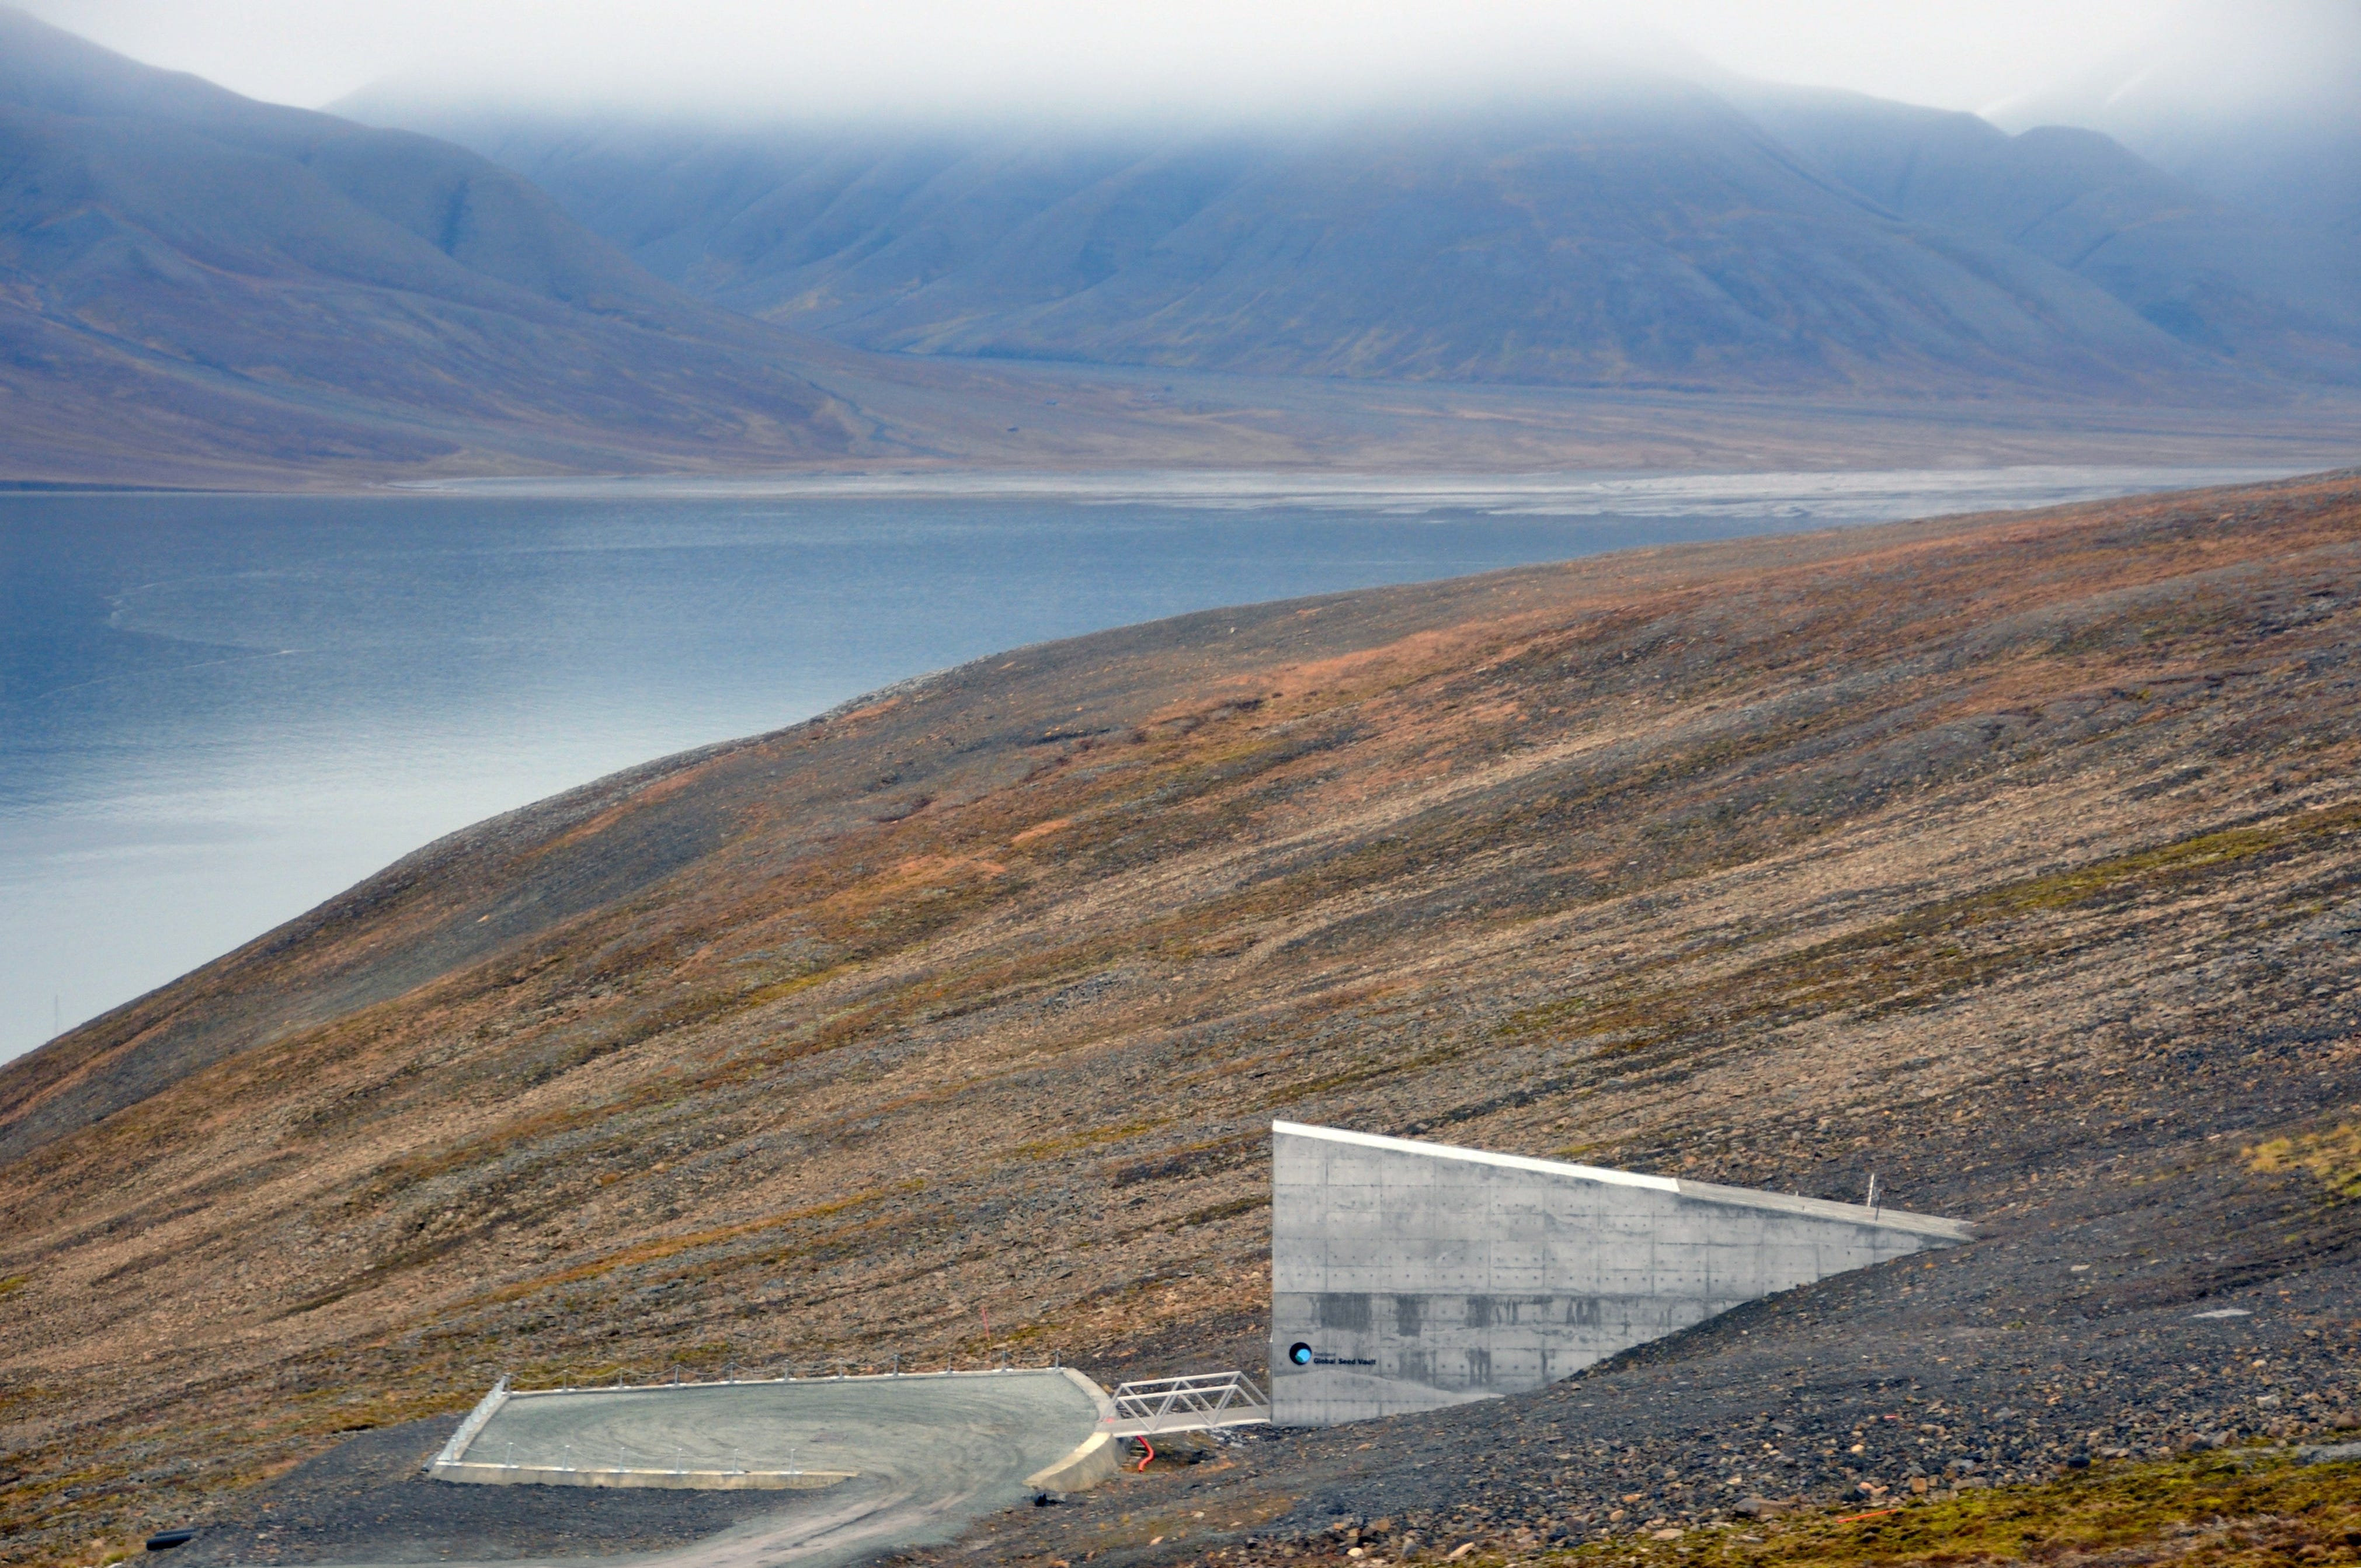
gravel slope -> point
(2018, 860)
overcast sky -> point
(904, 55)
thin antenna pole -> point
(1872, 1193)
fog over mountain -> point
(2259, 110)
(191, 277)
(197, 287)
(1693, 232)
(1197, 60)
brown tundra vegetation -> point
(2017, 858)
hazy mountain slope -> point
(1645, 244)
(318, 196)
(2256, 109)
(2013, 859)
(184, 272)
(2233, 282)
(1650, 235)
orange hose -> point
(1151, 1453)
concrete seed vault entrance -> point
(1406, 1275)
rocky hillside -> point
(2013, 859)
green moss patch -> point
(2334, 1156)
(2237, 1506)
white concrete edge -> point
(486, 1408)
(1099, 1396)
(799, 1382)
(1478, 1156)
(1699, 1191)
(1091, 1462)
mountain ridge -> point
(2234, 282)
(198, 290)
(1704, 235)
(184, 271)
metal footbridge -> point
(1159, 1405)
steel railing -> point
(1186, 1404)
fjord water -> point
(216, 711)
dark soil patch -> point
(366, 1500)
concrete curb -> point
(725, 1384)
(1093, 1461)
(1099, 1396)
(674, 1480)
(486, 1408)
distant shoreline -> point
(1808, 495)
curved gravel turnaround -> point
(932, 1454)
(987, 1430)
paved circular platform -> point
(931, 1453)
(941, 1424)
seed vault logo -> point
(1302, 1355)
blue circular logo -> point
(1300, 1353)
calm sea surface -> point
(216, 711)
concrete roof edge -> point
(1699, 1191)
(1829, 1209)
(1479, 1156)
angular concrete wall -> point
(1417, 1275)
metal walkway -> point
(1185, 1404)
